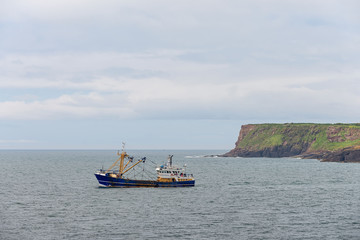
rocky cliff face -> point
(328, 142)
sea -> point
(53, 194)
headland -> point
(326, 142)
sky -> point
(91, 74)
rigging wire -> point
(137, 171)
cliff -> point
(327, 142)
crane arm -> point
(132, 166)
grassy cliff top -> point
(312, 136)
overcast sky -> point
(172, 74)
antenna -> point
(123, 146)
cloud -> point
(171, 99)
(184, 59)
(133, 26)
(63, 107)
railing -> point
(186, 175)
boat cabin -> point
(170, 173)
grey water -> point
(55, 195)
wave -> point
(202, 156)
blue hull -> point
(108, 181)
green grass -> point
(275, 140)
(322, 143)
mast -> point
(122, 157)
(170, 160)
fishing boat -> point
(167, 175)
